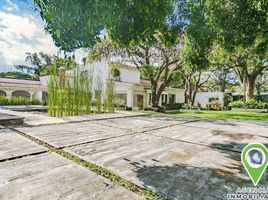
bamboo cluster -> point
(76, 95)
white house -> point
(128, 85)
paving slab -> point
(34, 119)
(176, 169)
(37, 119)
(94, 117)
(229, 140)
(255, 128)
(50, 176)
(171, 119)
(140, 123)
(61, 135)
(8, 119)
(13, 145)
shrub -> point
(174, 106)
(35, 101)
(120, 103)
(251, 104)
(5, 101)
(189, 106)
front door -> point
(140, 101)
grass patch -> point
(225, 115)
(147, 193)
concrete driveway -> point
(179, 158)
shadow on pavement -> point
(196, 181)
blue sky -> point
(21, 31)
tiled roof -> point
(21, 84)
(145, 83)
(20, 81)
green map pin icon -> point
(255, 159)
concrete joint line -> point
(197, 143)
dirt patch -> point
(178, 157)
(234, 136)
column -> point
(129, 98)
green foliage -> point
(110, 95)
(174, 106)
(98, 95)
(74, 96)
(251, 104)
(241, 115)
(17, 75)
(148, 71)
(40, 64)
(189, 106)
(6, 101)
(241, 40)
(76, 24)
(120, 103)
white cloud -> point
(10, 6)
(21, 34)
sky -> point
(21, 31)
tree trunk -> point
(247, 82)
(194, 95)
(159, 92)
(188, 91)
(154, 91)
(249, 87)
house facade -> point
(132, 90)
(129, 88)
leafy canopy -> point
(76, 24)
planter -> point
(250, 110)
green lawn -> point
(223, 115)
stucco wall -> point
(202, 98)
(129, 75)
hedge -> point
(5, 101)
(174, 106)
(251, 104)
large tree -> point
(241, 37)
(158, 62)
(80, 23)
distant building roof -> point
(145, 83)
(21, 84)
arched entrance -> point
(21, 93)
(3, 93)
